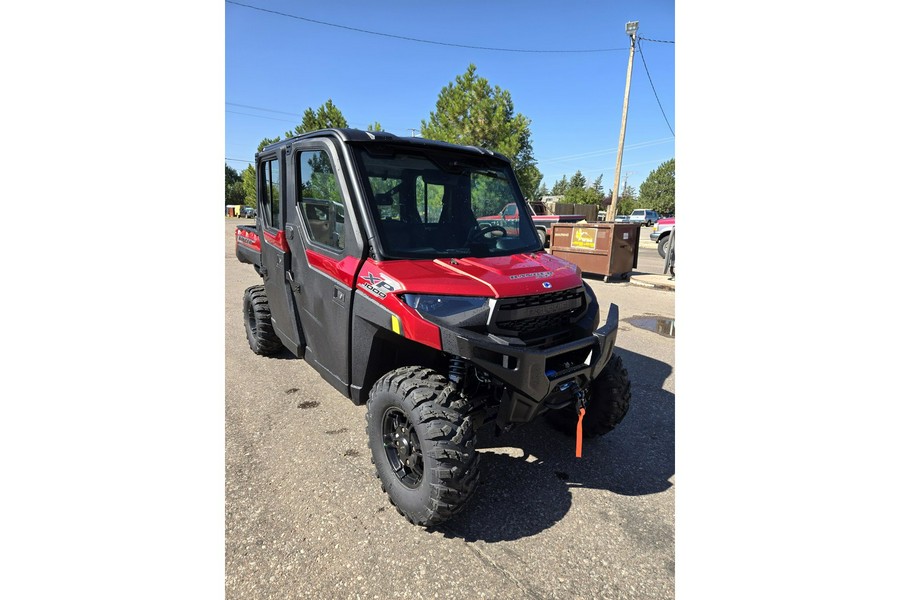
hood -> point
(493, 277)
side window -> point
(429, 200)
(321, 203)
(270, 177)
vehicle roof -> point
(359, 136)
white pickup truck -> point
(660, 234)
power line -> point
(607, 169)
(281, 112)
(240, 160)
(657, 41)
(653, 87)
(418, 40)
(234, 112)
(601, 152)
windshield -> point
(432, 204)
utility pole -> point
(413, 132)
(631, 30)
(625, 183)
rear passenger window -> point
(321, 202)
(271, 191)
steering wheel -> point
(479, 231)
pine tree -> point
(470, 112)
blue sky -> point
(276, 66)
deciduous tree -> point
(248, 180)
(658, 190)
(234, 190)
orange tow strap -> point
(578, 434)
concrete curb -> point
(652, 280)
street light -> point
(631, 28)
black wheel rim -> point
(402, 448)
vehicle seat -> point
(319, 228)
(395, 235)
(457, 220)
(402, 232)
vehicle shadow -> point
(527, 488)
(285, 354)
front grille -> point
(529, 327)
(541, 299)
(531, 316)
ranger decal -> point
(540, 274)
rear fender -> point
(247, 246)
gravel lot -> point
(305, 516)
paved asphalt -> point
(306, 518)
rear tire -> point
(610, 398)
(258, 322)
(542, 236)
(422, 444)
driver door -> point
(326, 247)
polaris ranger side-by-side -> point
(378, 273)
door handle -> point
(295, 285)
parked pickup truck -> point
(660, 234)
(508, 219)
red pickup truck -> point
(509, 220)
(660, 234)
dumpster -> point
(606, 249)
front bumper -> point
(654, 236)
(537, 378)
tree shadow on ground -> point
(524, 495)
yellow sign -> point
(584, 237)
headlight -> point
(456, 310)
